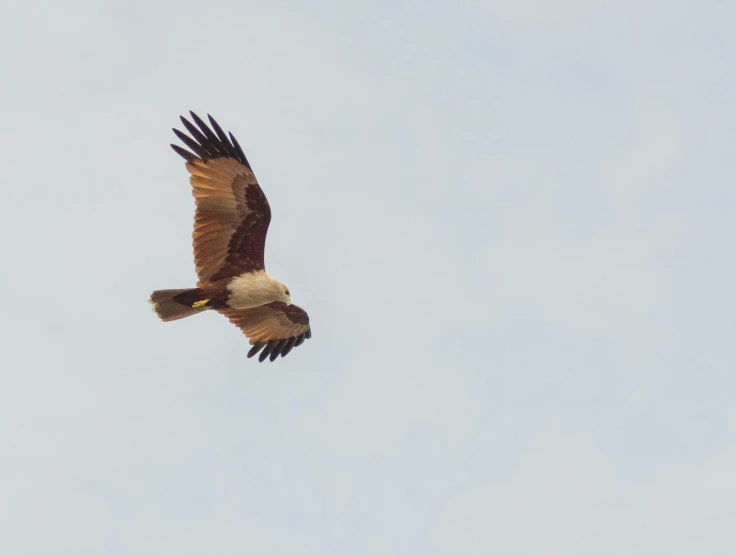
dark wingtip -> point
(239, 151)
(198, 149)
(255, 349)
(185, 154)
(277, 349)
(288, 347)
(203, 126)
(265, 353)
(224, 141)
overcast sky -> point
(511, 223)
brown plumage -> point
(230, 226)
(275, 326)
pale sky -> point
(511, 223)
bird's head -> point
(285, 294)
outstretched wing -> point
(276, 328)
(232, 216)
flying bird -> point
(230, 225)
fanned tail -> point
(177, 304)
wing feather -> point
(275, 328)
(224, 142)
(232, 216)
(206, 130)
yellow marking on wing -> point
(200, 304)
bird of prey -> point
(230, 226)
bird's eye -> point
(287, 292)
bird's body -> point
(253, 290)
(229, 237)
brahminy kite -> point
(230, 225)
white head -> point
(284, 294)
(274, 290)
(253, 289)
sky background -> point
(511, 223)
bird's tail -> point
(177, 304)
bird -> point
(230, 224)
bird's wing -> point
(232, 216)
(277, 327)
